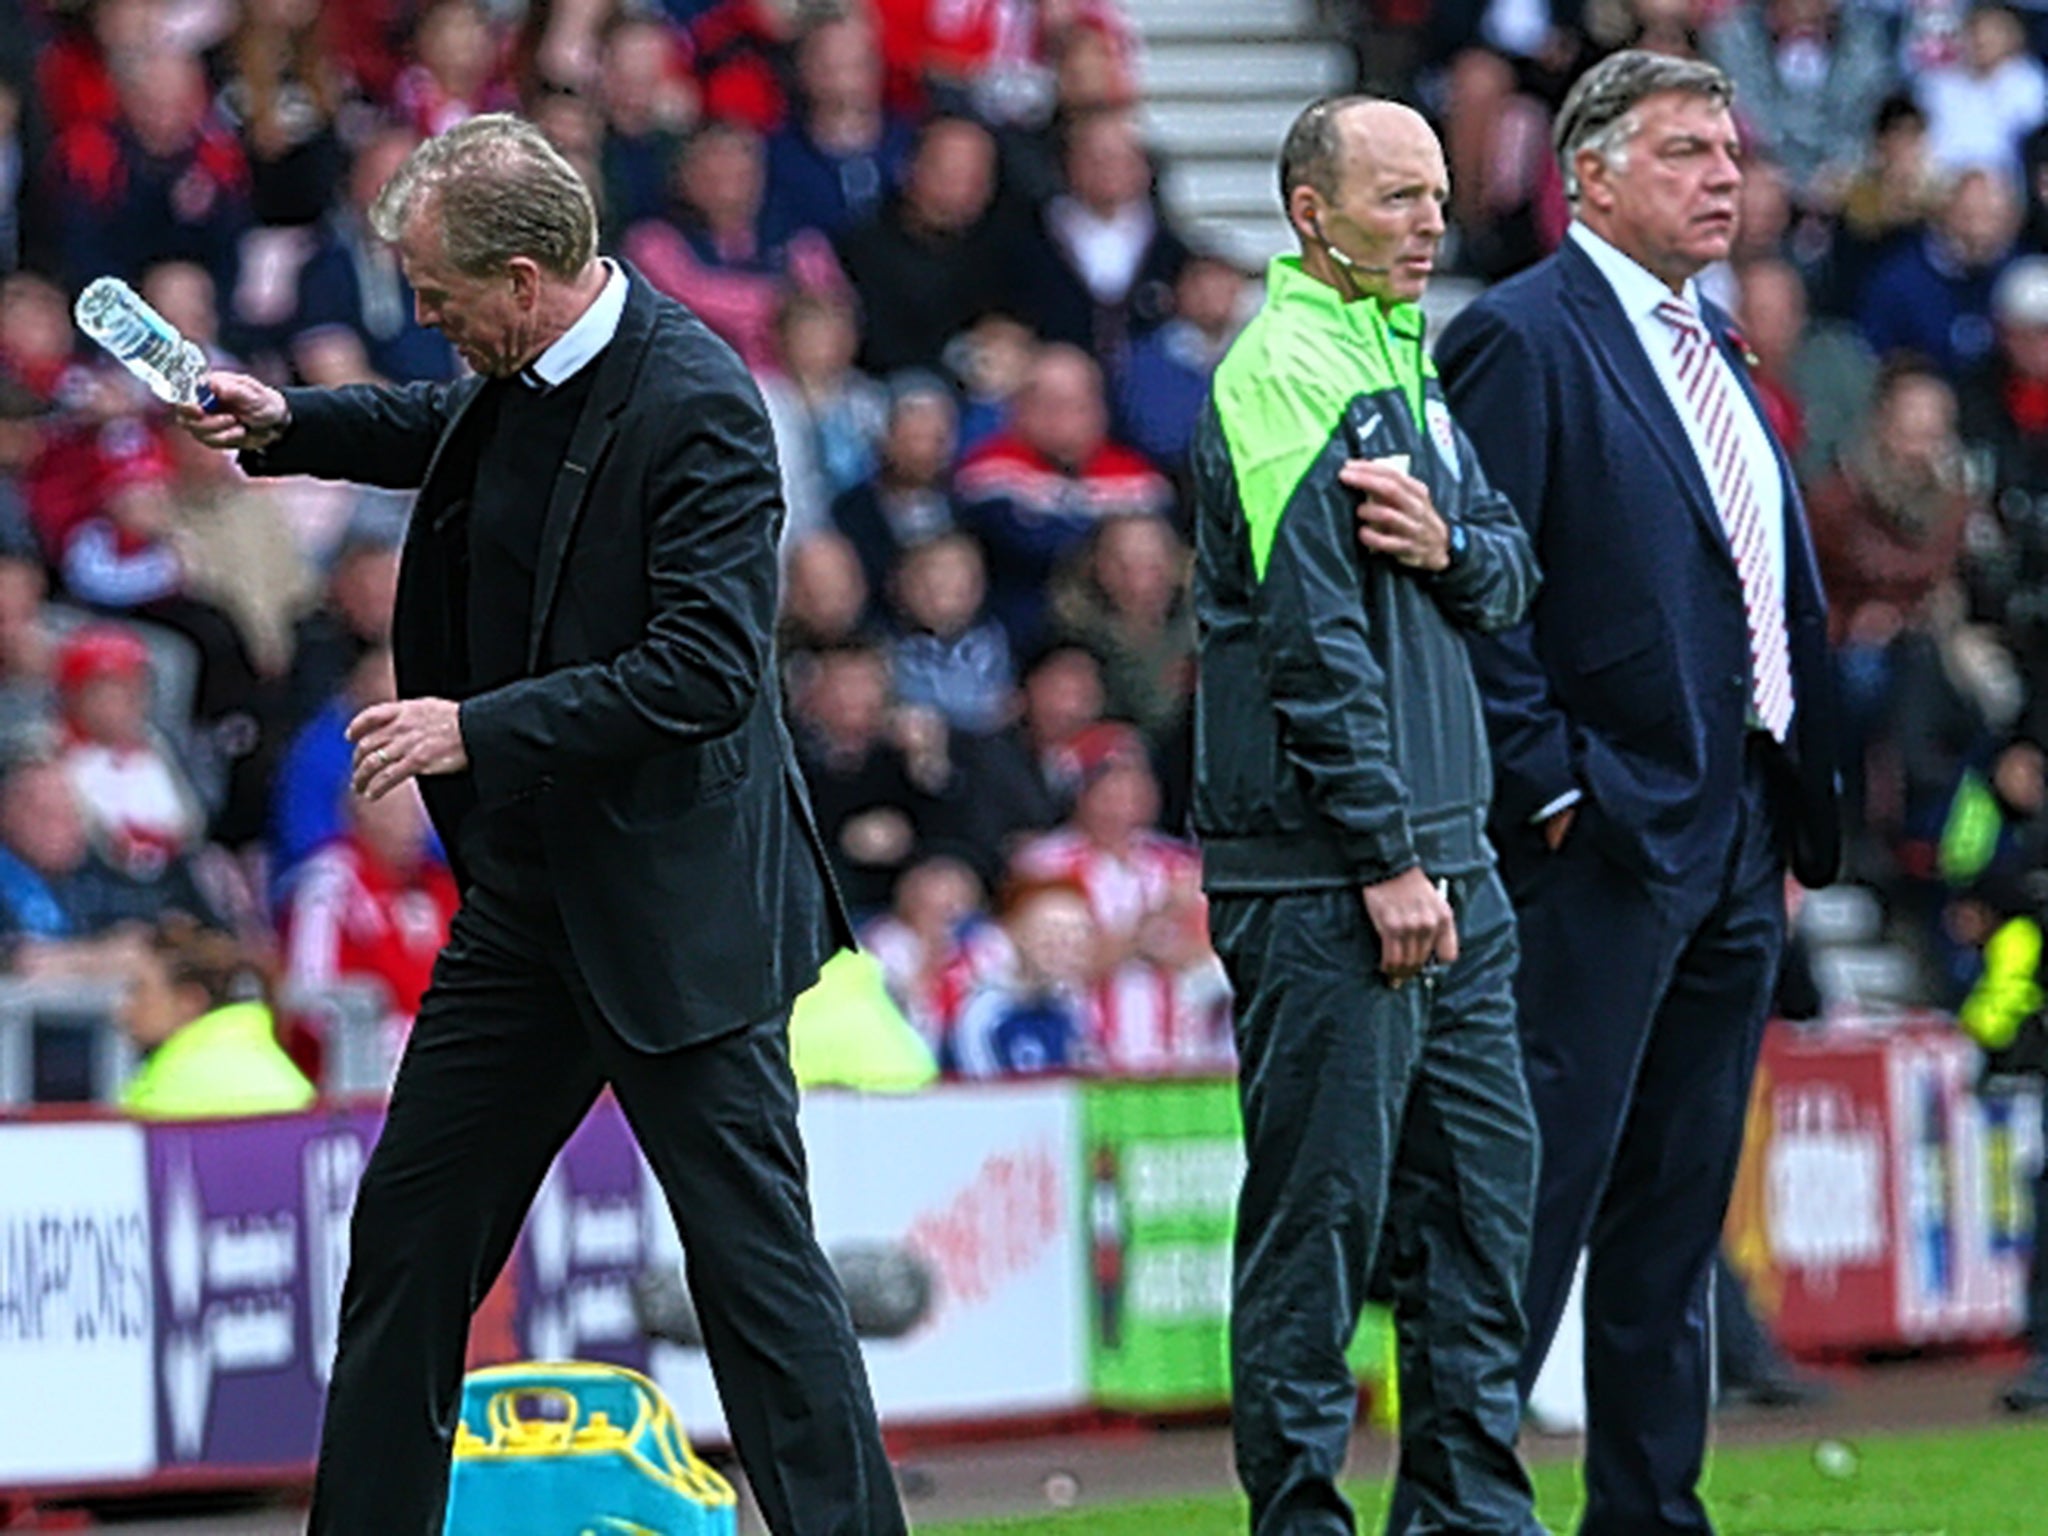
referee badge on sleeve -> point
(1437, 416)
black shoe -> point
(2029, 1394)
(1779, 1389)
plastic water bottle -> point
(145, 343)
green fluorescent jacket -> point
(1338, 736)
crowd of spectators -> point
(933, 232)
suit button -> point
(1737, 681)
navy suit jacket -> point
(1629, 681)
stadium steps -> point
(1221, 80)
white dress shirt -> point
(591, 333)
(1639, 292)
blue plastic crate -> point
(575, 1449)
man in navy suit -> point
(1660, 731)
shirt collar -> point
(1289, 284)
(590, 335)
(1638, 288)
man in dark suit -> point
(1660, 727)
(582, 638)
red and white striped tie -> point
(1710, 395)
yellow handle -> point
(514, 1431)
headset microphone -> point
(1353, 267)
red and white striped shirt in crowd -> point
(350, 916)
(1151, 1018)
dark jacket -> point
(1338, 734)
(1630, 682)
(689, 872)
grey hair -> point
(1600, 113)
(498, 189)
(1313, 152)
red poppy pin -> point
(1741, 344)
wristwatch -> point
(1454, 552)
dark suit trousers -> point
(507, 1055)
(1640, 1033)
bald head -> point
(1329, 132)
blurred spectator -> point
(572, 123)
(1888, 526)
(1091, 74)
(824, 597)
(928, 264)
(947, 655)
(933, 943)
(1506, 203)
(909, 498)
(58, 899)
(1097, 268)
(1886, 205)
(721, 255)
(1163, 383)
(993, 53)
(236, 552)
(881, 776)
(123, 558)
(991, 359)
(367, 40)
(1934, 297)
(827, 415)
(355, 321)
(1038, 1013)
(312, 777)
(2004, 412)
(1814, 376)
(183, 293)
(28, 648)
(841, 154)
(373, 904)
(457, 73)
(125, 561)
(1128, 603)
(59, 410)
(195, 1010)
(1808, 75)
(140, 806)
(164, 182)
(1024, 778)
(75, 75)
(1162, 1000)
(1034, 493)
(282, 94)
(1888, 522)
(649, 103)
(558, 46)
(739, 48)
(14, 164)
(1994, 843)
(352, 616)
(1981, 107)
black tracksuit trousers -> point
(1389, 1143)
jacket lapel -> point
(448, 506)
(1611, 335)
(618, 366)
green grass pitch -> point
(1983, 1482)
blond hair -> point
(498, 190)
